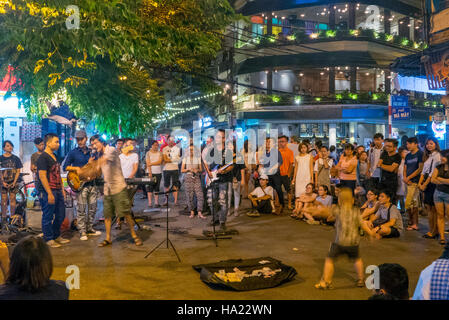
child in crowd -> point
(347, 239)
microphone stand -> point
(214, 237)
(167, 239)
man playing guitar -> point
(87, 197)
(219, 188)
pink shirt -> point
(345, 164)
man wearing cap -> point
(86, 199)
(262, 198)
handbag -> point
(380, 221)
(426, 175)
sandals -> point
(327, 286)
(137, 241)
(360, 283)
(200, 216)
(410, 228)
(104, 243)
(442, 242)
(428, 235)
(192, 216)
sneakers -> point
(61, 240)
(84, 237)
(253, 214)
(93, 233)
(53, 244)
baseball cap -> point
(264, 176)
(80, 134)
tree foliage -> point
(103, 66)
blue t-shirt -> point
(412, 162)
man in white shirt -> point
(374, 154)
(172, 158)
(116, 197)
(260, 196)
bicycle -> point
(16, 221)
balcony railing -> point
(258, 101)
(300, 37)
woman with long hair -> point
(347, 168)
(432, 158)
(304, 201)
(192, 167)
(440, 177)
(303, 170)
(29, 273)
(320, 208)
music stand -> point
(167, 239)
(214, 232)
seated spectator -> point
(29, 273)
(387, 222)
(262, 198)
(4, 259)
(320, 208)
(393, 283)
(371, 206)
(305, 200)
(433, 283)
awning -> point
(411, 65)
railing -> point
(300, 37)
(257, 101)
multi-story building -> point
(321, 69)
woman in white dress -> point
(303, 171)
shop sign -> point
(400, 108)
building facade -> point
(321, 69)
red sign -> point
(8, 80)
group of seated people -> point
(380, 215)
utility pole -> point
(230, 79)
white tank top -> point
(155, 156)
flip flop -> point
(137, 241)
(104, 243)
(412, 228)
(327, 286)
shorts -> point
(12, 190)
(337, 250)
(118, 204)
(428, 194)
(441, 197)
(285, 181)
(351, 184)
(393, 234)
(412, 198)
(155, 187)
(172, 175)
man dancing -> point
(87, 197)
(116, 198)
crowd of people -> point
(360, 192)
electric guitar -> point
(212, 175)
